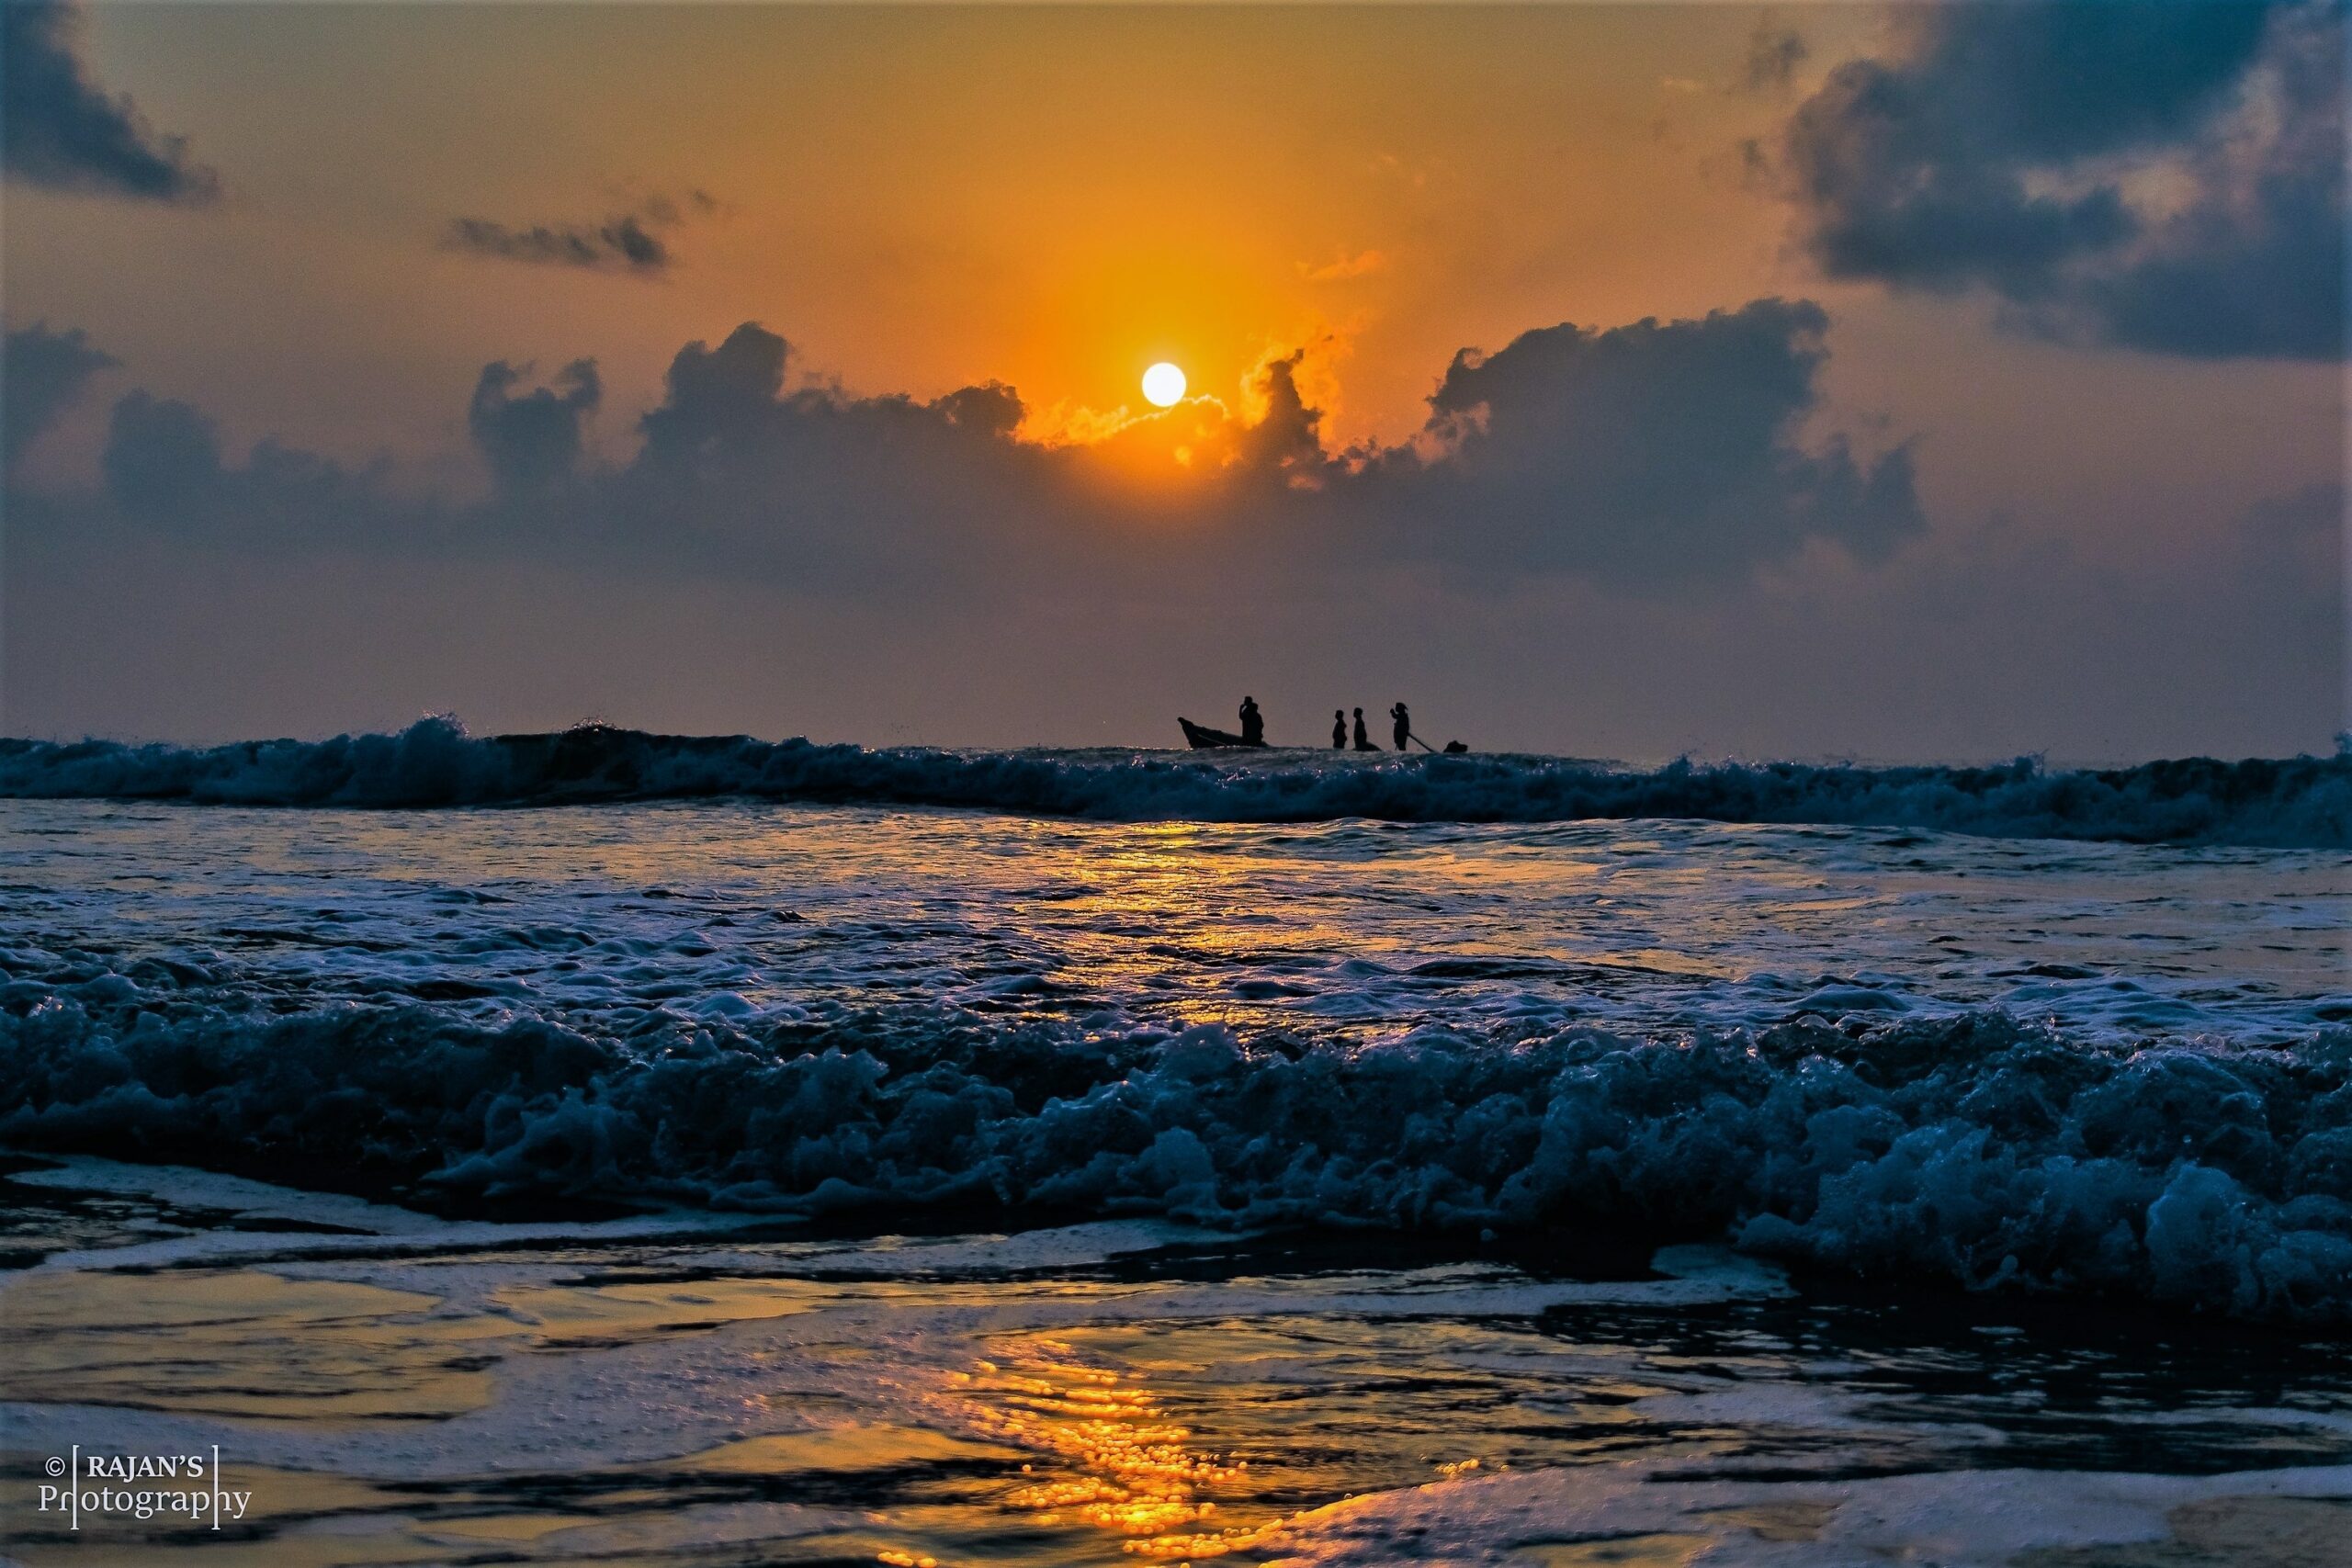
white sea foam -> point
(1973, 1149)
(2075, 1069)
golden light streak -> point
(1115, 1460)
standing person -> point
(1338, 729)
(1253, 723)
(1404, 727)
(1363, 741)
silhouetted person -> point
(1404, 727)
(1363, 741)
(1338, 729)
(1253, 723)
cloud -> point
(741, 473)
(41, 372)
(1660, 457)
(718, 397)
(625, 241)
(532, 440)
(163, 468)
(58, 130)
(1344, 267)
(162, 456)
(1655, 454)
(2167, 178)
(622, 241)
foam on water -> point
(1975, 1149)
(2299, 801)
(2110, 1068)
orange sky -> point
(921, 199)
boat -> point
(1202, 738)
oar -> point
(1423, 744)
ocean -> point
(622, 1149)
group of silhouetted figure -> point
(1343, 735)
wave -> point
(2296, 802)
(1977, 1150)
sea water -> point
(808, 1175)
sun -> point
(1163, 384)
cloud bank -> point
(762, 547)
(41, 372)
(1656, 457)
(1648, 453)
(1633, 539)
(61, 130)
(2164, 177)
(164, 469)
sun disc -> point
(1163, 384)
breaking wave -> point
(1976, 1149)
(2302, 802)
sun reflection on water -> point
(1114, 1459)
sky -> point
(1896, 382)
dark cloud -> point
(164, 469)
(2167, 177)
(532, 440)
(1283, 445)
(2255, 263)
(718, 397)
(740, 472)
(41, 372)
(162, 458)
(990, 408)
(1651, 454)
(60, 129)
(625, 241)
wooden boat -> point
(1201, 738)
